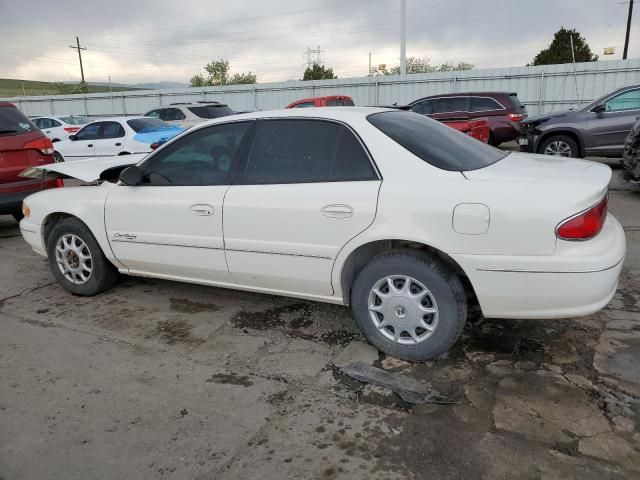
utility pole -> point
(369, 74)
(79, 49)
(575, 74)
(626, 38)
(403, 37)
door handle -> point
(118, 144)
(337, 211)
(90, 145)
(202, 209)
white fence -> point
(540, 89)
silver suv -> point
(191, 113)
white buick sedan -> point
(393, 213)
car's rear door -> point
(607, 130)
(111, 139)
(309, 186)
(171, 224)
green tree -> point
(218, 75)
(559, 51)
(61, 88)
(318, 72)
(422, 65)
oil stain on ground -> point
(177, 331)
(272, 317)
(230, 379)
(184, 305)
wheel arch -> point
(562, 131)
(364, 253)
(52, 219)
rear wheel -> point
(57, 157)
(560, 146)
(409, 305)
(76, 259)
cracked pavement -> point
(158, 379)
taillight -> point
(59, 183)
(516, 117)
(584, 225)
(43, 144)
(71, 129)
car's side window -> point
(304, 105)
(153, 113)
(204, 157)
(171, 114)
(455, 104)
(90, 132)
(305, 151)
(111, 130)
(424, 107)
(54, 123)
(625, 101)
(484, 104)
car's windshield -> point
(435, 143)
(13, 122)
(211, 111)
(142, 125)
(75, 120)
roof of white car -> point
(335, 113)
(117, 119)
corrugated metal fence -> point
(540, 89)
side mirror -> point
(131, 176)
(599, 108)
(73, 138)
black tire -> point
(445, 287)
(57, 157)
(492, 140)
(17, 215)
(563, 139)
(103, 275)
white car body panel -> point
(57, 134)
(275, 238)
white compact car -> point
(189, 114)
(60, 127)
(115, 136)
(388, 211)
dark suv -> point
(598, 129)
(503, 111)
(22, 145)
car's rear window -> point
(148, 124)
(75, 120)
(516, 103)
(211, 111)
(435, 143)
(14, 122)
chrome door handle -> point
(90, 145)
(118, 144)
(202, 209)
(337, 211)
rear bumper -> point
(578, 280)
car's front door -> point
(608, 129)
(111, 139)
(170, 225)
(308, 187)
(84, 144)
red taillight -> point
(59, 183)
(43, 144)
(516, 117)
(584, 225)
(71, 129)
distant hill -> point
(10, 87)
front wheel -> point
(76, 259)
(560, 146)
(409, 305)
(57, 157)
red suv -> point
(22, 145)
(330, 101)
(503, 111)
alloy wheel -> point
(74, 259)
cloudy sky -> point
(149, 41)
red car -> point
(502, 110)
(330, 101)
(22, 145)
(477, 128)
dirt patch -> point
(230, 379)
(272, 317)
(339, 337)
(177, 331)
(184, 305)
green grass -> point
(10, 87)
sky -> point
(138, 41)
